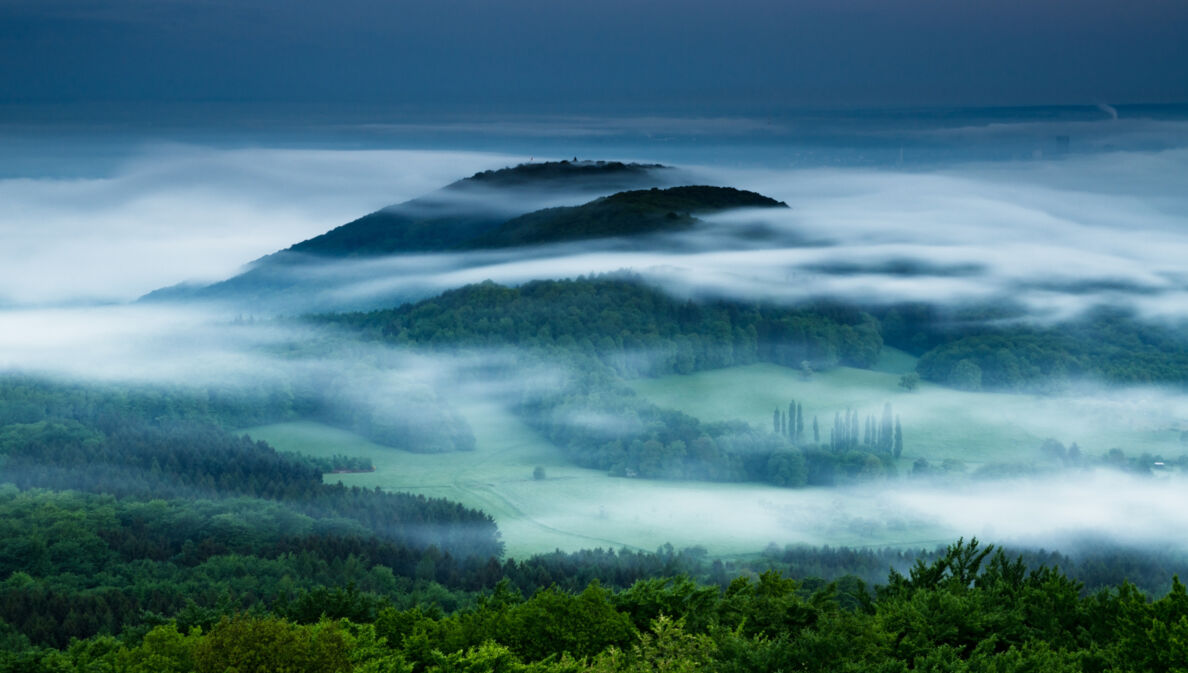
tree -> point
(816, 431)
(909, 381)
(1074, 454)
(966, 375)
(1053, 449)
(538, 473)
(799, 421)
(271, 644)
(898, 449)
(806, 370)
(886, 431)
(787, 468)
(921, 467)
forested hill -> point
(466, 209)
(633, 213)
(491, 210)
(451, 218)
(617, 317)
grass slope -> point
(575, 508)
(939, 423)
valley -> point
(574, 507)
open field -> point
(575, 508)
(938, 423)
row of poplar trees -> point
(849, 433)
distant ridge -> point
(490, 210)
(472, 206)
(632, 213)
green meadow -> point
(574, 508)
(938, 423)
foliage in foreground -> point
(970, 610)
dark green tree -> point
(909, 381)
(898, 448)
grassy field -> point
(938, 422)
(575, 508)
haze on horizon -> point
(693, 56)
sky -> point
(475, 54)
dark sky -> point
(610, 52)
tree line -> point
(633, 328)
(996, 348)
(971, 609)
(618, 317)
(116, 443)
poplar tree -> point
(898, 438)
(886, 440)
(816, 431)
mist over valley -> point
(404, 376)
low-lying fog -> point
(1057, 236)
(173, 213)
(1051, 513)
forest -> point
(632, 327)
(140, 531)
(137, 531)
(641, 331)
(972, 608)
(990, 348)
(637, 329)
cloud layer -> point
(178, 213)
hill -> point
(490, 210)
(447, 219)
(461, 211)
(632, 213)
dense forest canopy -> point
(971, 608)
(635, 328)
(631, 317)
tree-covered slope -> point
(990, 348)
(142, 445)
(450, 218)
(455, 215)
(620, 318)
(643, 211)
